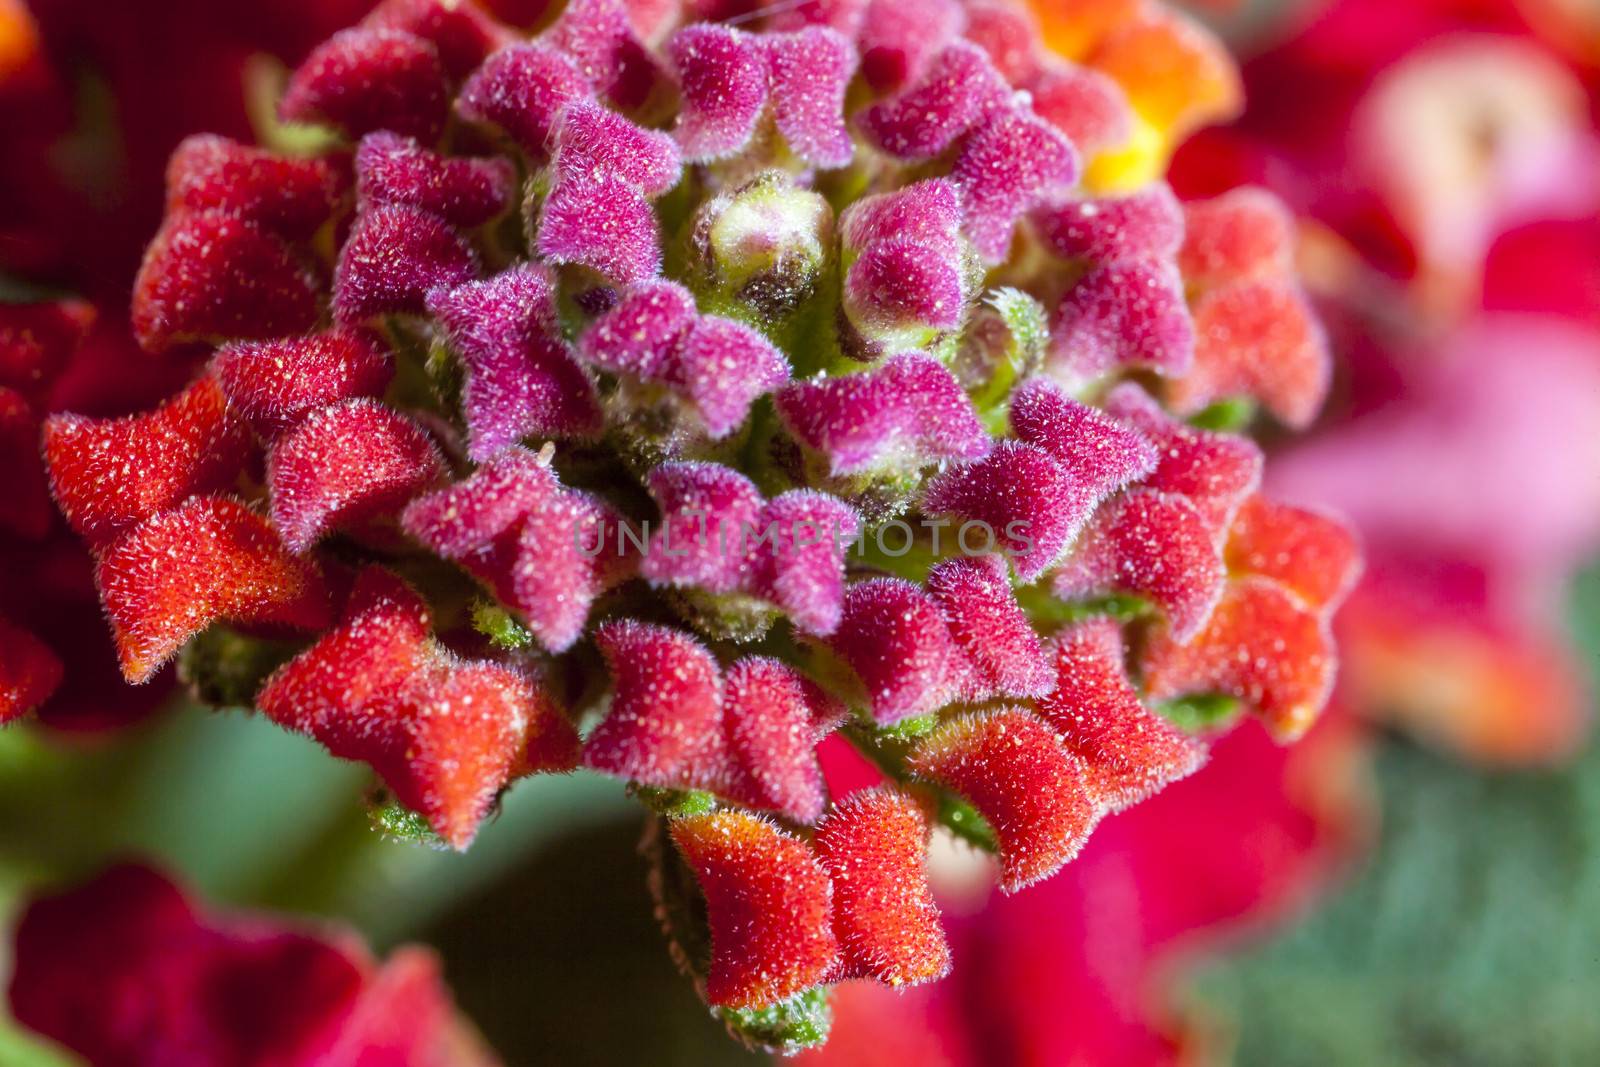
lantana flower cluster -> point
(670, 389)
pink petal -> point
(393, 256)
(897, 284)
(601, 221)
(803, 573)
(707, 514)
(523, 379)
(895, 639)
(1147, 224)
(599, 37)
(1130, 313)
(960, 86)
(1214, 470)
(810, 72)
(344, 465)
(1011, 160)
(927, 213)
(462, 33)
(723, 77)
(590, 137)
(909, 410)
(522, 89)
(769, 712)
(1007, 34)
(723, 366)
(391, 169)
(1005, 656)
(1020, 496)
(898, 37)
(640, 334)
(1086, 105)
(470, 514)
(1100, 453)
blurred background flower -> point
(1414, 884)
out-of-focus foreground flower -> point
(125, 972)
(668, 390)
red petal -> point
(108, 474)
(392, 258)
(210, 276)
(1029, 789)
(29, 672)
(363, 80)
(1150, 544)
(769, 905)
(895, 639)
(1259, 339)
(522, 89)
(345, 465)
(1263, 646)
(1005, 655)
(872, 845)
(293, 197)
(1246, 232)
(1214, 470)
(209, 559)
(665, 723)
(1129, 753)
(391, 169)
(274, 384)
(1315, 556)
(36, 340)
(1101, 454)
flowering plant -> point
(836, 276)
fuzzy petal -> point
(291, 197)
(274, 384)
(1005, 656)
(1129, 313)
(362, 80)
(723, 76)
(895, 639)
(395, 254)
(391, 169)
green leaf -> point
(1204, 711)
(787, 1027)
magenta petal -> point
(468, 515)
(523, 379)
(1004, 656)
(1154, 545)
(898, 37)
(960, 86)
(894, 637)
(566, 556)
(842, 15)
(768, 713)
(391, 169)
(640, 335)
(1031, 505)
(908, 410)
(897, 283)
(811, 70)
(591, 137)
(1214, 470)
(1124, 314)
(1147, 224)
(1100, 453)
(599, 37)
(1011, 160)
(723, 366)
(803, 570)
(393, 256)
(723, 77)
(1086, 105)
(1005, 31)
(603, 222)
(927, 213)
(522, 89)
(709, 516)
(363, 80)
